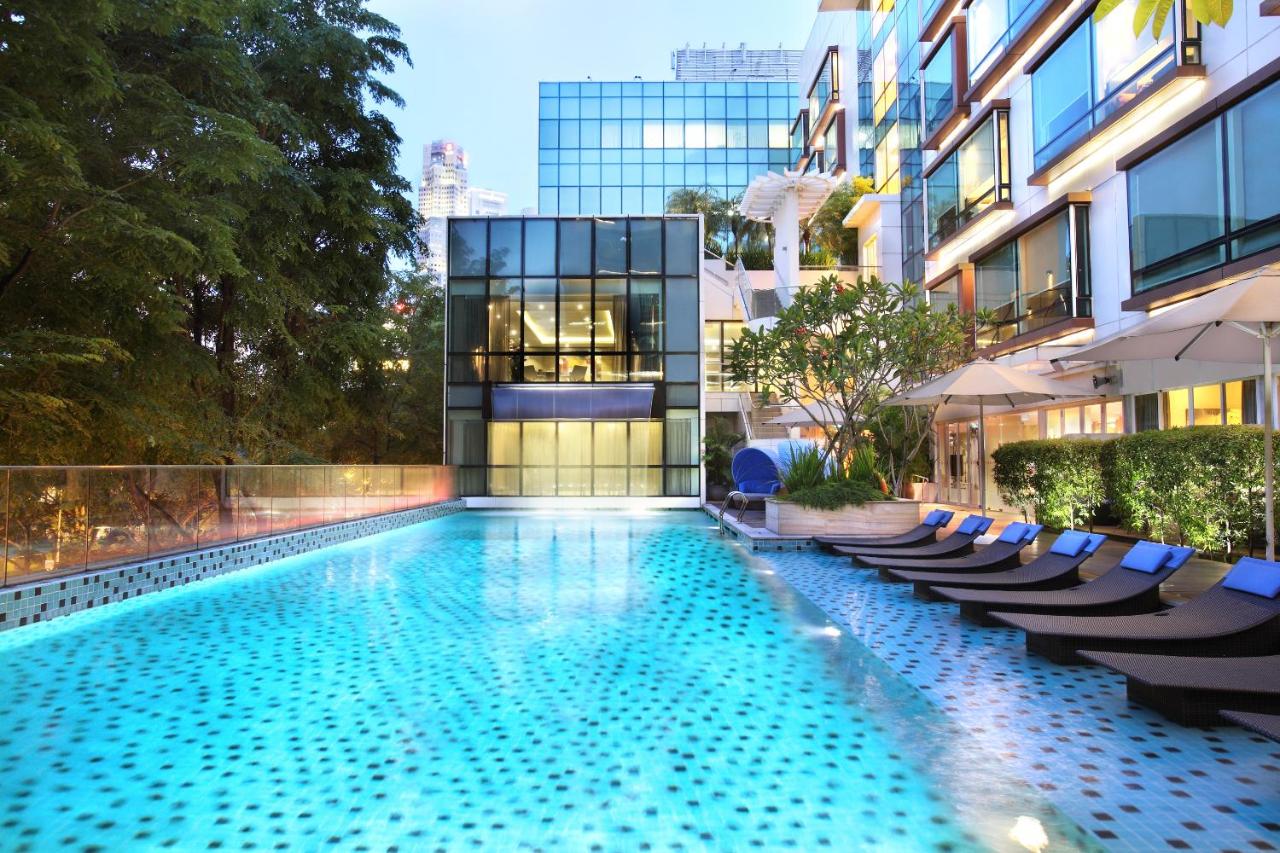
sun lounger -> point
(1239, 616)
(1267, 725)
(999, 555)
(1119, 591)
(922, 534)
(1192, 690)
(958, 543)
(1057, 568)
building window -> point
(888, 162)
(825, 89)
(1211, 405)
(968, 180)
(1211, 197)
(718, 338)
(799, 140)
(1146, 412)
(1036, 280)
(939, 85)
(992, 25)
(884, 78)
(1102, 418)
(869, 262)
(945, 296)
(1098, 70)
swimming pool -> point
(487, 680)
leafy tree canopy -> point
(826, 227)
(199, 210)
(841, 349)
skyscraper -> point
(445, 191)
(623, 147)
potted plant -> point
(717, 455)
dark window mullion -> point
(1225, 147)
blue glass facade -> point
(618, 149)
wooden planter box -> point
(870, 519)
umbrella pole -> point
(982, 462)
(1268, 451)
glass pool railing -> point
(62, 520)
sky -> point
(477, 65)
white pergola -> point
(786, 200)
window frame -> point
(932, 134)
(1099, 111)
(1229, 236)
(1080, 295)
(997, 115)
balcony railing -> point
(58, 521)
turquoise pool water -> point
(486, 681)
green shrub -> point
(1201, 486)
(836, 493)
(807, 468)
(862, 465)
(1061, 479)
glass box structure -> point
(620, 149)
(574, 359)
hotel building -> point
(1061, 176)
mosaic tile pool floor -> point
(1131, 778)
(493, 681)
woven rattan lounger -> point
(1235, 617)
(1192, 690)
(1004, 553)
(1054, 569)
(957, 544)
(1118, 591)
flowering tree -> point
(840, 350)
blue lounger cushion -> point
(1032, 531)
(1069, 543)
(938, 518)
(1015, 532)
(1095, 542)
(1146, 557)
(971, 524)
(1254, 576)
(1178, 557)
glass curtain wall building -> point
(889, 116)
(574, 358)
(621, 149)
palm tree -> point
(716, 212)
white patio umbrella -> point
(805, 415)
(985, 383)
(1236, 323)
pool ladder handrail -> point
(724, 506)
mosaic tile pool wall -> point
(43, 600)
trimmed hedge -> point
(1200, 486)
(1061, 479)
